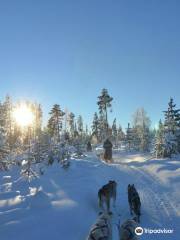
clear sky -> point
(62, 51)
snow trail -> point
(66, 204)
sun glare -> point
(23, 115)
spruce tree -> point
(86, 134)
(2, 125)
(95, 126)
(171, 129)
(159, 141)
(76, 133)
(38, 120)
(104, 102)
(120, 134)
(103, 131)
(4, 151)
(55, 122)
(80, 125)
(71, 124)
(129, 137)
(141, 128)
(172, 118)
(114, 132)
(8, 108)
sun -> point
(23, 115)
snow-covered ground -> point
(62, 204)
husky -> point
(134, 201)
(102, 229)
(105, 194)
(127, 230)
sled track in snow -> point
(159, 201)
(155, 197)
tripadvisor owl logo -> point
(139, 231)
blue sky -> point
(65, 52)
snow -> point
(62, 203)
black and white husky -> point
(134, 201)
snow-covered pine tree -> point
(7, 109)
(171, 129)
(129, 138)
(104, 102)
(114, 132)
(38, 120)
(76, 134)
(3, 141)
(86, 134)
(141, 127)
(178, 139)
(159, 141)
(153, 133)
(102, 127)
(71, 124)
(120, 134)
(55, 122)
(95, 126)
(145, 138)
(66, 116)
(39, 149)
(80, 126)
(27, 170)
(2, 126)
(30, 156)
(172, 117)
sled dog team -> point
(102, 229)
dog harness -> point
(100, 230)
(129, 227)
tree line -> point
(64, 126)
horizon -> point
(66, 52)
(46, 115)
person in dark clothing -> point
(107, 150)
(89, 147)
